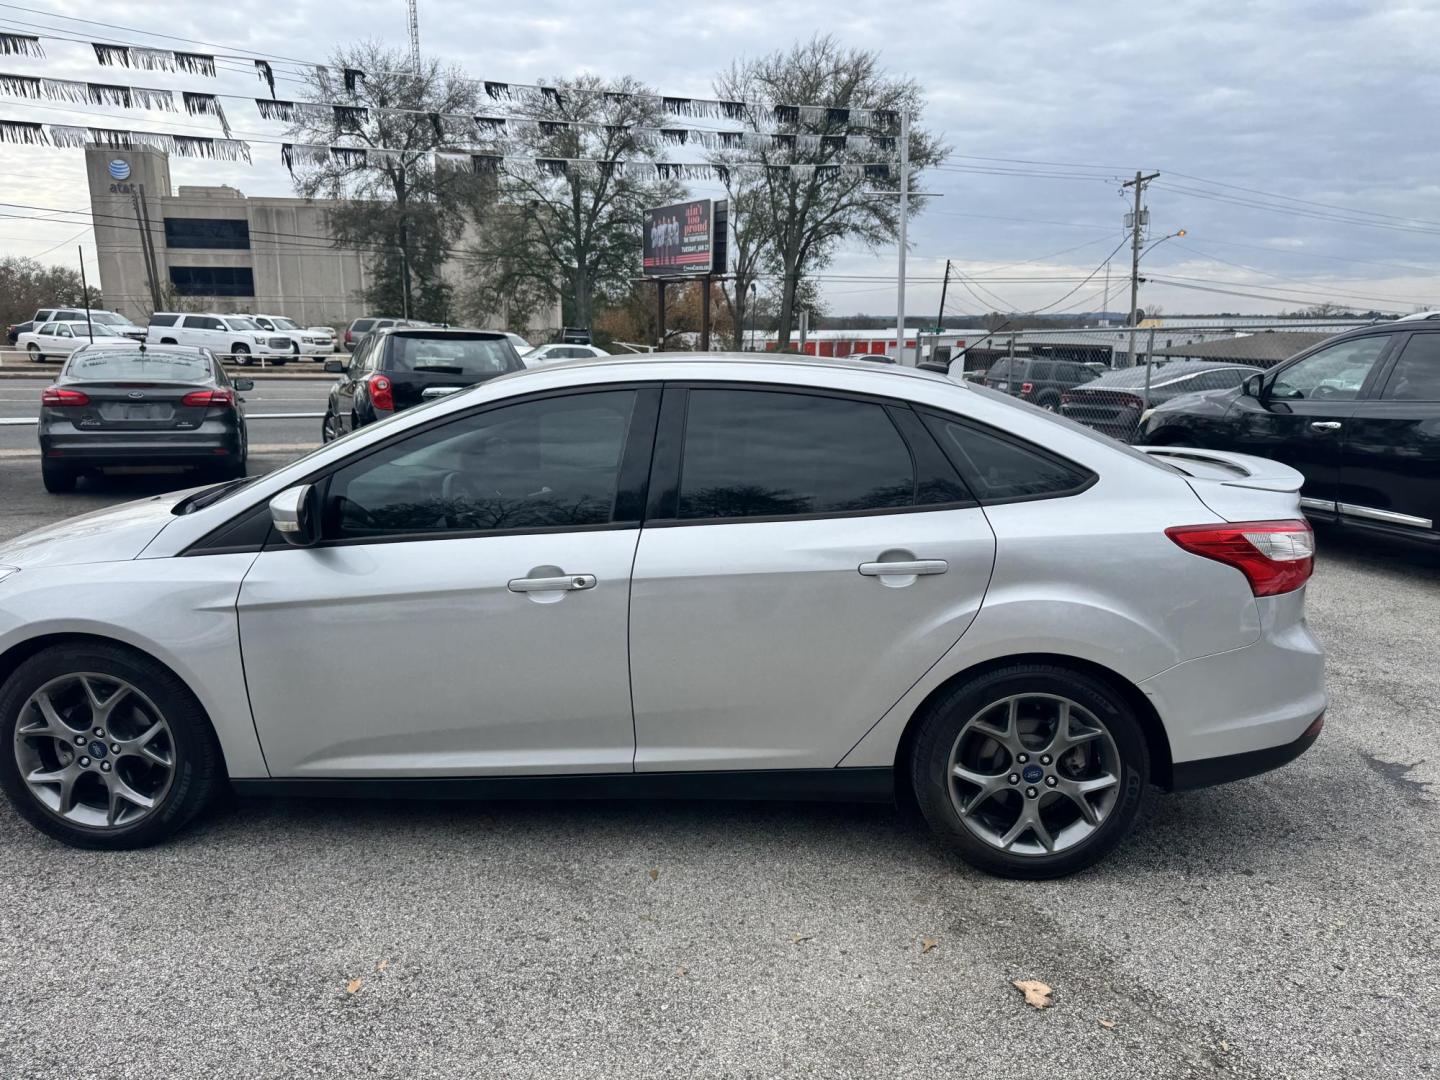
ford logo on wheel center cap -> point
(1032, 774)
(97, 749)
(119, 169)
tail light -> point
(349, 337)
(56, 398)
(1066, 399)
(380, 396)
(1275, 556)
(209, 399)
(1026, 387)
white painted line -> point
(263, 448)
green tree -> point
(26, 285)
(394, 203)
(810, 212)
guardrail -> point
(13, 357)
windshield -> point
(242, 324)
(1071, 425)
(83, 329)
(477, 358)
(126, 364)
(109, 318)
(284, 324)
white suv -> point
(237, 336)
(304, 341)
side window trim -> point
(934, 417)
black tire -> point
(1050, 402)
(198, 769)
(35, 354)
(329, 429)
(241, 353)
(58, 479)
(941, 726)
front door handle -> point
(563, 583)
(1325, 425)
(901, 569)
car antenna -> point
(982, 340)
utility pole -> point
(85, 292)
(405, 281)
(904, 219)
(142, 224)
(939, 319)
(1138, 183)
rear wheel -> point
(34, 351)
(1050, 402)
(1031, 771)
(241, 353)
(101, 747)
(58, 479)
(328, 430)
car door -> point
(806, 557)
(1390, 461)
(1300, 414)
(465, 613)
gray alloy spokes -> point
(1034, 774)
(94, 750)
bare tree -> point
(394, 202)
(811, 211)
(569, 226)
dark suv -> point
(1038, 379)
(397, 367)
(1357, 414)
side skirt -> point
(800, 785)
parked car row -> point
(111, 322)
(233, 333)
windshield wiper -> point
(444, 369)
(202, 499)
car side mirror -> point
(243, 384)
(1252, 386)
(295, 513)
(334, 367)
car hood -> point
(115, 534)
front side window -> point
(64, 331)
(1333, 374)
(545, 464)
(758, 453)
(1416, 376)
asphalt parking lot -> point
(1284, 926)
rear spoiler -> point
(1230, 470)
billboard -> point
(684, 239)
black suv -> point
(1358, 414)
(397, 367)
(1039, 380)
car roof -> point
(427, 331)
(778, 362)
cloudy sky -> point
(1297, 142)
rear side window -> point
(1042, 370)
(163, 320)
(360, 326)
(1416, 376)
(758, 453)
(1001, 469)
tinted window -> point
(1000, 369)
(71, 315)
(213, 280)
(1000, 469)
(537, 464)
(1332, 374)
(476, 358)
(360, 326)
(48, 329)
(133, 364)
(163, 320)
(756, 453)
(1416, 376)
(202, 322)
(206, 233)
(1042, 371)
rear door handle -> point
(900, 569)
(565, 583)
(1325, 425)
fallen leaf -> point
(654, 874)
(353, 986)
(1107, 1024)
(928, 943)
(1036, 993)
(680, 971)
(1224, 1046)
(800, 939)
(382, 965)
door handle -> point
(901, 569)
(564, 583)
(1325, 425)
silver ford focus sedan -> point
(730, 577)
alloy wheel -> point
(1034, 774)
(94, 750)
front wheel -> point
(102, 747)
(1032, 771)
(34, 351)
(241, 354)
(328, 430)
